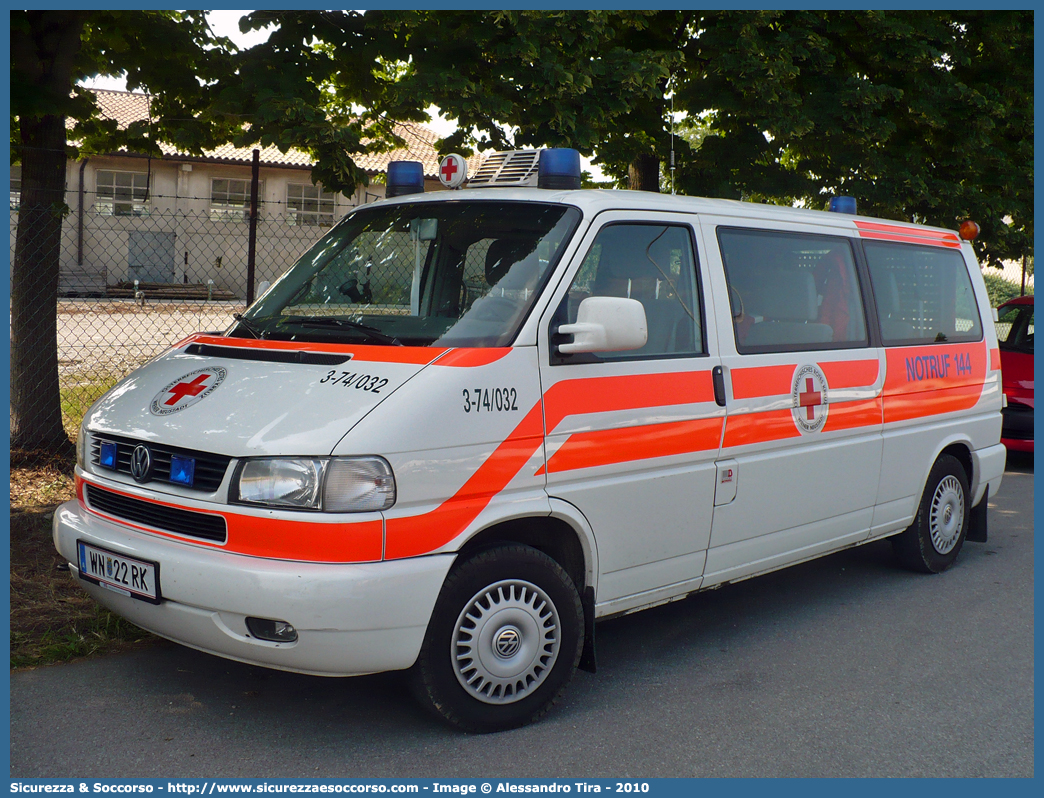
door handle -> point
(719, 386)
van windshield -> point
(456, 273)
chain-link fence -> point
(132, 279)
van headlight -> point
(334, 485)
(81, 447)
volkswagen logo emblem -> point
(507, 642)
(141, 463)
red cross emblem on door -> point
(810, 399)
(809, 394)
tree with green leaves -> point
(172, 55)
(336, 81)
(922, 116)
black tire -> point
(932, 542)
(521, 661)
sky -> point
(226, 23)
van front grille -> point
(159, 516)
(209, 468)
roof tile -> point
(126, 107)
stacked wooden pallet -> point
(170, 291)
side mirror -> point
(606, 324)
(996, 316)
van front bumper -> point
(351, 619)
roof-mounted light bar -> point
(405, 177)
(559, 168)
(843, 205)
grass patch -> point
(52, 617)
(77, 397)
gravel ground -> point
(113, 338)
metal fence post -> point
(255, 171)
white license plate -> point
(135, 578)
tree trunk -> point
(36, 416)
(44, 46)
(644, 173)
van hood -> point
(243, 398)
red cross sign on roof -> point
(453, 170)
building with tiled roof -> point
(126, 107)
(184, 219)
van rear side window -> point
(792, 292)
(924, 294)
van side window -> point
(653, 264)
(792, 291)
(923, 294)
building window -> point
(230, 199)
(308, 204)
(121, 193)
(16, 187)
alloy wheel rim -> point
(505, 642)
(947, 515)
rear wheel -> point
(933, 541)
(503, 642)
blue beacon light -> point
(182, 470)
(107, 455)
(843, 205)
(559, 168)
(405, 177)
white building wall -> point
(179, 204)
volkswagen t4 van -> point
(466, 425)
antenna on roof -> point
(672, 143)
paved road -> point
(842, 667)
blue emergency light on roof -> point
(405, 177)
(559, 168)
(843, 205)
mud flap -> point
(587, 656)
(977, 520)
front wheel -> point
(503, 642)
(933, 541)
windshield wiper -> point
(248, 325)
(326, 321)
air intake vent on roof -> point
(517, 168)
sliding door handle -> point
(719, 386)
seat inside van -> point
(787, 304)
(630, 271)
(892, 328)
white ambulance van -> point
(466, 425)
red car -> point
(1015, 336)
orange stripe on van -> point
(752, 383)
(610, 446)
(850, 373)
(932, 380)
(750, 428)
(470, 358)
(908, 234)
(274, 538)
(850, 415)
(419, 534)
(604, 394)
(416, 355)
(995, 359)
